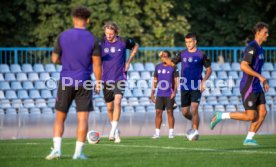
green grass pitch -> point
(209, 151)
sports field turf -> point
(209, 151)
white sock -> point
(57, 143)
(250, 135)
(170, 131)
(225, 116)
(78, 149)
(196, 131)
(114, 125)
(157, 132)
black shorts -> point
(163, 103)
(82, 96)
(111, 89)
(189, 96)
(253, 100)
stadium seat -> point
(212, 100)
(149, 66)
(213, 75)
(28, 85)
(235, 66)
(236, 91)
(51, 102)
(104, 109)
(233, 74)
(222, 75)
(54, 93)
(240, 108)
(2, 96)
(4, 85)
(272, 83)
(38, 68)
(58, 68)
(226, 92)
(10, 94)
(46, 94)
(16, 103)
(215, 66)
(234, 100)
(22, 94)
(138, 67)
(4, 68)
(273, 74)
(23, 111)
(33, 76)
(72, 110)
(44, 76)
(28, 103)
(21, 76)
(40, 103)
(133, 101)
(124, 102)
(50, 68)
(215, 92)
(56, 76)
(131, 84)
(147, 92)
(47, 111)
(269, 99)
(266, 74)
(96, 109)
(225, 66)
(27, 68)
(137, 92)
(11, 111)
(15, 68)
(142, 84)
(140, 109)
(2, 112)
(5, 104)
(145, 75)
(99, 102)
(1, 77)
(208, 108)
(144, 101)
(128, 93)
(34, 94)
(238, 81)
(268, 66)
(219, 108)
(39, 85)
(150, 108)
(223, 100)
(130, 67)
(10, 77)
(206, 93)
(16, 85)
(134, 75)
(231, 108)
(128, 109)
(271, 91)
(35, 112)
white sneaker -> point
(155, 136)
(117, 137)
(171, 136)
(80, 156)
(53, 155)
(111, 137)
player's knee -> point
(109, 109)
(170, 112)
(250, 117)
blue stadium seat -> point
(236, 91)
(208, 108)
(4, 85)
(273, 74)
(47, 111)
(238, 81)
(34, 94)
(28, 85)
(51, 102)
(233, 74)
(128, 93)
(21, 76)
(138, 67)
(16, 103)
(144, 101)
(225, 66)
(145, 75)
(211, 100)
(35, 111)
(28, 103)
(56, 76)
(142, 84)
(223, 100)
(147, 92)
(10, 77)
(72, 110)
(2, 96)
(234, 100)
(4, 68)
(140, 109)
(130, 67)
(40, 103)
(215, 66)
(134, 75)
(44, 76)
(58, 68)
(10, 94)
(266, 74)
(11, 111)
(240, 107)
(39, 85)
(231, 108)
(271, 91)
(149, 66)
(50, 68)
(16, 85)
(46, 94)
(27, 68)
(215, 92)
(99, 102)
(206, 93)
(226, 92)
(5, 104)
(219, 108)
(33, 76)
(235, 66)
(128, 109)
(137, 92)
(2, 112)
(124, 102)
(15, 68)
(23, 111)
(1, 77)
(272, 83)
(38, 68)
(150, 108)
(268, 66)
(222, 75)
(269, 99)
(133, 101)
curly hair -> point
(112, 25)
(81, 12)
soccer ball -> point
(93, 137)
(191, 135)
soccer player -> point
(250, 86)
(76, 49)
(114, 66)
(166, 81)
(191, 82)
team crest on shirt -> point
(119, 50)
(112, 49)
(190, 59)
(251, 52)
(106, 50)
(196, 60)
(159, 71)
(168, 72)
(250, 103)
(163, 71)
(185, 59)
